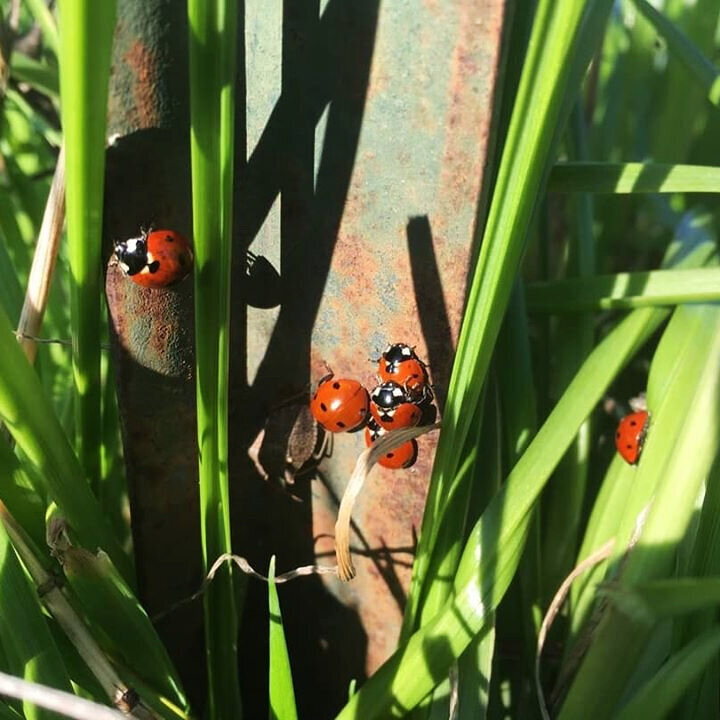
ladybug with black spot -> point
(392, 407)
(156, 259)
(630, 436)
(399, 458)
(400, 364)
(340, 404)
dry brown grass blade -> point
(43, 264)
(603, 553)
(365, 462)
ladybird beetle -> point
(401, 457)
(340, 404)
(156, 259)
(630, 436)
(400, 364)
(398, 458)
(392, 407)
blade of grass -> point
(551, 74)
(282, 693)
(662, 692)
(85, 45)
(493, 550)
(44, 18)
(39, 75)
(31, 421)
(213, 30)
(681, 47)
(622, 178)
(25, 636)
(625, 291)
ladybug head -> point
(388, 395)
(397, 353)
(131, 254)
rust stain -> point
(143, 65)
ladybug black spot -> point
(336, 385)
(340, 424)
(154, 266)
(169, 238)
(633, 423)
(323, 407)
(629, 446)
(617, 434)
(389, 455)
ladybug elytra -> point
(630, 436)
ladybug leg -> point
(254, 454)
(250, 258)
(324, 447)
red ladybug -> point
(400, 364)
(630, 436)
(392, 407)
(340, 404)
(156, 259)
(396, 459)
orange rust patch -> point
(143, 66)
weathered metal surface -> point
(367, 130)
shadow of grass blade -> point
(282, 693)
(26, 639)
(559, 51)
(213, 29)
(29, 417)
(85, 43)
(495, 545)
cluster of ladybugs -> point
(402, 399)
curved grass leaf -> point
(619, 178)
(109, 605)
(558, 54)
(683, 399)
(31, 421)
(282, 693)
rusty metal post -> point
(148, 183)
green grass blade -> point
(31, 421)
(44, 18)
(661, 693)
(682, 48)
(108, 603)
(623, 178)
(654, 601)
(557, 55)
(24, 633)
(282, 693)
(40, 76)
(493, 551)
(213, 26)
(625, 291)
(85, 45)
